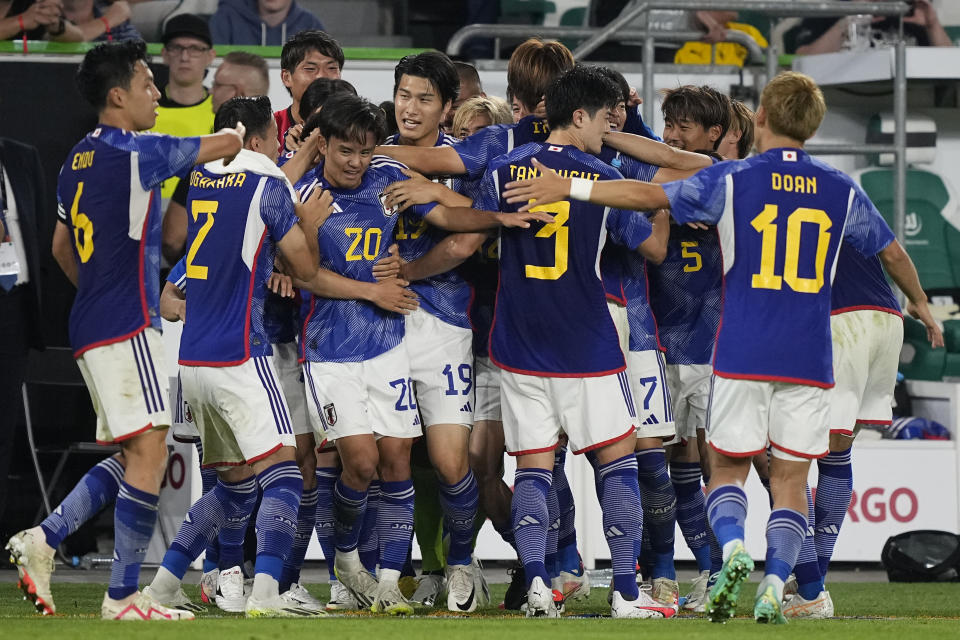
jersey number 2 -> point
(561, 213)
(766, 225)
(197, 207)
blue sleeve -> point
(476, 151)
(629, 228)
(637, 126)
(866, 229)
(488, 197)
(178, 275)
(163, 156)
(635, 169)
(701, 197)
(277, 209)
(61, 210)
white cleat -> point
(358, 581)
(230, 594)
(298, 596)
(277, 607)
(429, 588)
(696, 599)
(390, 600)
(341, 598)
(795, 606)
(34, 559)
(540, 601)
(461, 588)
(208, 586)
(666, 592)
(178, 600)
(480, 583)
(140, 607)
(643, 607)
(572, 586)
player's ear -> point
(713, 133)
(286, 78)
(760, 118)
(116, 97)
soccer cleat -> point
(480, 583)
(34, 559)
(516, 594)
(429, 588)
(298, 596)
(461, 588)
(722, 603)
(540, 601)
(766, 608)
(178, 600)
(389, 600)
(358, 581)
(208, 586)
(340, 598)
(790, 586)
(796, 606)
(277, 607)
(574, 585)
(666, 591)
(230, 594)
(696, 599)
(140, 607)
(643, 607)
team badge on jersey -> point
(330, 414)
(187, 414)
(387, 211)
(789, 156)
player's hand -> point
(311, 145)
(404, 194)
(280, 284)
(698, 225)
(522, 219)
(292, 141)
(634, 99)
(240, 131)
(548, 187)
(315, 210)
(922, 313)
(180, 309)
(392, 295)
(388, 267)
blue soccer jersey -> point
(636, 288)
(551, 316)
(353, 238)
(235, 216)
(686, 294)
(108, 195)
(781, 216)
(178, 275)
(860, 284)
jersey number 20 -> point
(766, 225)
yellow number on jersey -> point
(82, 227)
(209, 207)
(688, 250)
(416, 232)
(766, 225)
(371, 243)
(561, 213)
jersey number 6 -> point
(82, 227)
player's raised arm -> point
(903, 272)
(654, 248)
(418, 190)
(467, 219)
(655, 152)
(389, 295)
(428, 160)
(447, 254)
(225, 143)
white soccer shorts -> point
(745, 415)
(593, 412)
(441, 366)
(866, 354)
(375, 397)
(239, 410)
(128, 386)
(689, 386)
(648, 381)
(290, 373)
(184, 429)
(621, 321)
(487, 384)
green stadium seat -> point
(532, 10)
(951, 335)
(918, 360)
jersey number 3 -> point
(766, 225)
(561, 233)
(197, 207)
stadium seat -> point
(951, 335)
(529, 11)
(148, 17)
(918, 360)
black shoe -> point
(516, 594)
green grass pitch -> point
(865, 611)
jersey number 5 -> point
(82, 227)
(766, 225)
(197, 207)
(561, 213)
(689, 250)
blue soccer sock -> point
(727, 513)
(96, 489)
(691, 513)
(459, 502)
(349, 506)
(834, 491)
(242, 499)
(809, 579)
(659, 509)
(568, 558)
(208, 480)
(785, 531)
(716, 553)
(326, 480)
(622, 521)
(306, 519)
(530, 517)
(133, 520)
(282, 486)
(202, 523)
(553, 532)
(395, 523)
(368, 546)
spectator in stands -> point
(101, 21)
(263, 22)
(479, 112)
(825, 35)
(470, 87)
(36, 20)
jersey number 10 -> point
(766, 225)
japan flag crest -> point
(330, 414)
(789, 156)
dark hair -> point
(467, 73)
(107, 66)
(533, 66)
(435, 67)
(318, 91)
(350, 117)
(704, 106)
(252, 60)
(583, 87)
(618, 78)
(742, 119)
(297, 47)
(254, 113)
(390, 113)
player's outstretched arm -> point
(313, 212)
(657, 153)
(903, 272)
(465, 219)
(304, 158)
(429, 160)
(654, 248)
(549, 187)
(62, 250)
(447, 254)
(418, 190)
(173, 304)
(390, 295)
(225, 143)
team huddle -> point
(370, 322)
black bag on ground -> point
(922, 556)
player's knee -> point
(840, 442)
(452, 469)
(360, 472)
(395, 469)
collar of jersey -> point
(252, 161)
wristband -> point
(580, 188)
(106, 26)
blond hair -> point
(533, 66)
(794, 104)
(494, 108)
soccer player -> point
(357, 368)
(783, 215)
(305, 57)
(107, 241)
(470, 87)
